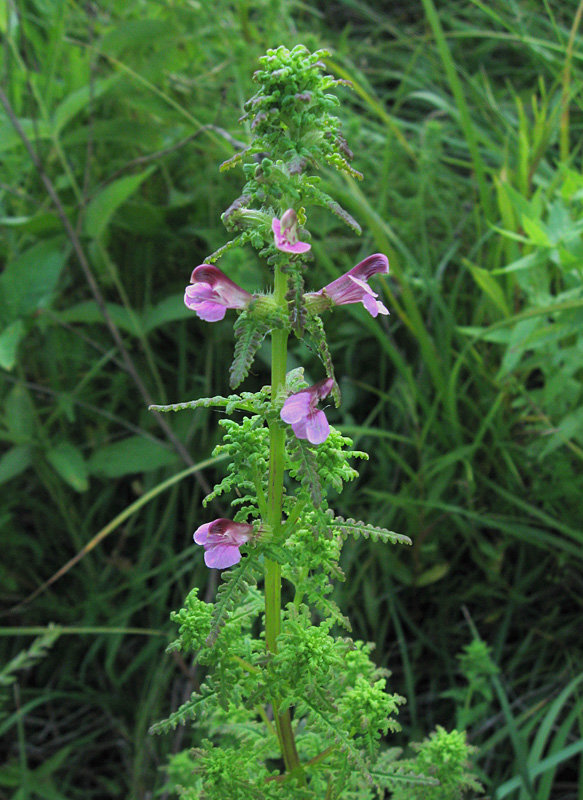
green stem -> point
(274, 513)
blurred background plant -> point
(466, 120)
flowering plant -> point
(288, 708)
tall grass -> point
(466, 120)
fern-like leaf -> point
(238, 241)
(330, 727)
(356, 528)
(304, 467)
(236, 583)
(250, 333)
(232, 161)
(187, 711)
(315, 327)
(295, 301)
(242, 402)
(329, 609)
(320, 198)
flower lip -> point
(285, 233)
(221, 540)
(211, 292)
(352, 287)
(300, 410)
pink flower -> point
(285, 232)
(352, 287)
(211, 293)
(300, 410)
(221, 540)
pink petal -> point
(298, 247)
(299, 428)
(317, 427)
(221, 556)
(370, 304)
(296, 407)
(276, 228)
(363, 285)
(323, 388)
(282, 243)
(209, 311)
(240, 532)
(210, 283)
(199, 292)
(201, 533)
(377, 263)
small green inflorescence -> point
(289, 705)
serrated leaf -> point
(250, 333)
(304, 468)
(68, 462)
(315, 328)
(358, 528)
(236, 583)
(180, 716)
(104, 205)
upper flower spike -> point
(222, 539)
(285, 233)
(211, 293)
(352, 287)
(300, 410)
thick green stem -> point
(274, 514)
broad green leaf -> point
(19, 414)
(104, 205)
(79, 99)
(34, 129)
(526, 262)
(13, 222)
(4, 11)
(9, 340)
(518, 343)
(135, 33)
(89, 312)
(115, 130)
(536, 232)
(490, 286)
(67, 460)
(570, 427)
(28, 282)
(134, 454)
(43, 222)
(432, 575)
(168, 310)
(498, 335)
(14, 462)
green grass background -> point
(466, 119)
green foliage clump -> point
(444, 756)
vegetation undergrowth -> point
(468, 131)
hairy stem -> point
(274, 513)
